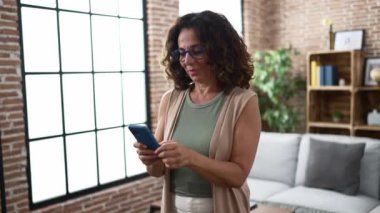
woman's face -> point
(193, 57)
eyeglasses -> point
(196, 52)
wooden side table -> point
(270, 209)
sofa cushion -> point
(375, 210)
(318, 200)
(262, 189)
(370, 164)
(334, 166)
(276, 157)
(370, 169)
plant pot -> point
(336, 119)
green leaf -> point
(276, 85)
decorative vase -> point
(375, 74)
(373, 118)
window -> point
(232, 9)
(85, 80)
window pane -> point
(40, 40)
(134, 98)
(105, 32)
(131, 8)
(111, 155)
(108, 7)
(45, 3)
(47, 169)
(134, 166)
(132, 45)
(231, 9)
(108, 100)
(75, 41)
(78, 102)
(78, 5)
(44, 105)
(81, 161)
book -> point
(313, 73)
(330, 75)
(317, 71)
(322, 76)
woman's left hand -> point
(174, 155)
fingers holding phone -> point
(147, 156)
(174, 155)
(146, 144)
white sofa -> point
(282, 174)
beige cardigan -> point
(225, 200)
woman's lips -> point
(192, 72)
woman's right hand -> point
(147, 156)
(153, 163)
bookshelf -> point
(352, 100)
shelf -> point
(332, 130)
(368, 88)
(353, 100)
(330, 88)
(322, 104)
(329, 125)
(367, 127)
(330, 52)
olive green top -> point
(194, 129)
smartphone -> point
(143, 135)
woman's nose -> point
(188, 58)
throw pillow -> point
(334, 166)
(276, 157)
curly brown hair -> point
(226, 50)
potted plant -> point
(337, 116)
(276, 85)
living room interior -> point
(330, 91)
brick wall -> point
(11, 105)
(268, 24)
(161, 15)
(255, 32)
(298, 23)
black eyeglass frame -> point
(197, 52)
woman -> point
(209, 124)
